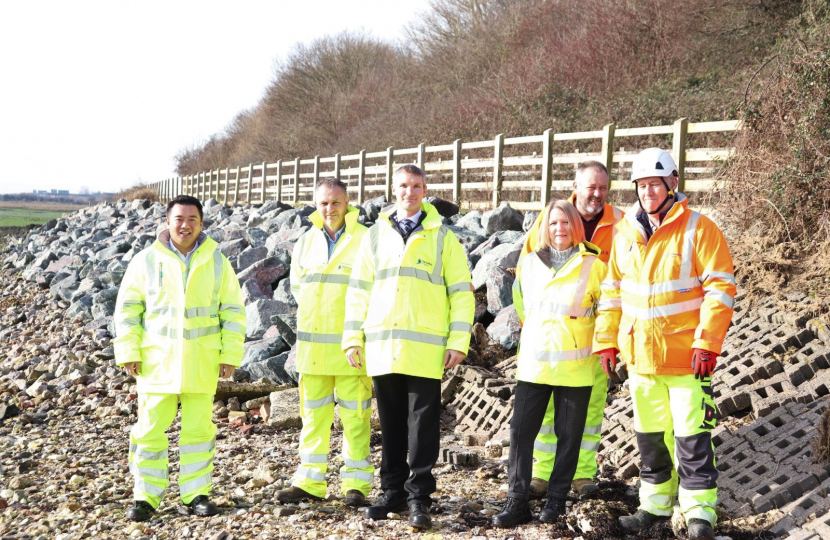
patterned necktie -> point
(406, 226)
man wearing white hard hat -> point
(666, 306)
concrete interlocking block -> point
(769, 394)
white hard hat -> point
(652, 162)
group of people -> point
(384, 311)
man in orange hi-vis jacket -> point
(590, 190)
(666, 305)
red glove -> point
(608, 359)
(703, 362)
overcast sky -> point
(103, 94)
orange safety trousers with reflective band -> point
(663, 298)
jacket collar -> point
(607, 212)
(431, 221)
(678, 209)
(163, 240)
(352, 213)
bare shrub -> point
(141, 190)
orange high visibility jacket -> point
(602, 238)
(663, 298)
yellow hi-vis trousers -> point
(317, 398)
(544, 447)
(673, 419)
(148, 446)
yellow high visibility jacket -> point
(319, 284)
(180, 332)
(662, 299)
(603, 235)
(557, 312)
(409, 302)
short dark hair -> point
(591, 164)
(185, 200)
(332, 182)
(411, 168)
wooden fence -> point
(520, 170)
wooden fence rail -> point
(520, 170)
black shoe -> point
(141, 511)
(641, 519)
(202, 506)
(387, 503)
(700, 529)
(553, 510)
(355, 498)
(419, 515)
(515, 512)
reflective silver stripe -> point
(357, 464)
(582, 285)
(197, 448)
(145, 454)
(200, 312)
(464, 286)
(662, 311)
(305, 472)
(360, 284)
(163, 310)
(233, 308)
(609, 303)
(407, 271)
(340, 279)
(313, 337)
(689, 246)
(725, 276)
(130, 303)
(196, 483)
(357, 475)
(439, 242)
(194, 467)
(194, 333)
(307, 459)
(350, 404)
(662, 287)
(592, 430)
(147, 487)
(151, 274)
(234, 327)
(460, 327)
(559, 309)
(367, 404)
(131, 321)
(147, 471)
(317, 403)
(408, 335)
(352, 325)
(374, 234)
(563, 356)
(546, 430)
(542, 447)
(217, 277)
(720, 296)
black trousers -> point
(409, 408)
(531, 400)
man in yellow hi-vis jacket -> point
(410, 302)
(666, 305)
(320, 268)
(180, 324)
(590, 189)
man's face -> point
(332, 203)
(591, 190)
(410, 190)
(184, 224)
(652, 191)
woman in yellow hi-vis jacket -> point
(555, 292)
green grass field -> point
(20, 217)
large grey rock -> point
(253, 291)
(286, 325)
(282, 292)
(470, 239)
(257, 351)
(470, 220)
(499, 290)
(505, 256)
(113, 251)
(503, 218)
(259, 315)
(251, 256)
(266, 271)
(445, 208)
(44, 259)
(530, 218)
(506, 329)
(291, 364)
(272, 368)
(233, 248)
(285, 409)
(373, 206)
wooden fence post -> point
(296, 181)
(236, 186)
(209, 184)
(389, 156)
(422, 156)
(361, 175)
(279, 180)
(456, 171)
(227, 183)
(681, 128)
(547, 165)
(250, 182)
(316, 175)
(264, 185)
(607, 157)
(498, 166)
(202, 186)
(337, 166)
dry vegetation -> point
(138, 191)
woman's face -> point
(560, 230)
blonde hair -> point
(574, 223)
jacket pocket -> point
(208, 349)
(432, 323)
(155, 361)
(678, 336)
(625, 339)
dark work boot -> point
(141, 511)
(700, 529)
(419, 515)
(641, 519)
(553, 510)
(388, 502)
(202, 506)
(355, 498)
(294, 494)
(515, 512)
